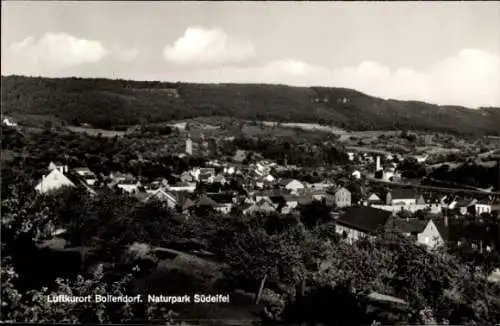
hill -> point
(113, 104)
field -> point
(184, 273)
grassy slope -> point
(110, 103)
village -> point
(246, 184)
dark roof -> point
(271, 193)
(465, 202)
(206, 201)
(222, 198)
(411, 225)
(366, 219)
(404, 193)
(181, 184)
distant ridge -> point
(106, 103)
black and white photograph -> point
(252, 163)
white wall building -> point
(53, 181)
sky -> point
(446, 53)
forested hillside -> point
(112, 103)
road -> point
(443, 189)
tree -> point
(34, 307)
(315, 213)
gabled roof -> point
(374, 198)
(83, 170)
(465, 202)
(365, 219)
(290, 198)
(305, 199)
(222, 198)
(161, 193)
(54, 175)
(207, 201)
(181, 184)
(404, 193)
(341, 188)
(270, 193)
(411, 225)
(263, 202)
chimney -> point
(378, 166)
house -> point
(374, 199)
(129, 186)
(118, 177)
(184, 201)
(404, 197)
(262, 206)
(290, 203)
(269, 178)
(421, 158)
(207, 202)
(267, 194)
(424, 232)
(164, 196)
(186, 176)
(62, 168)
(182, 186)
(323, 185)
(359, 222)
(483, 206)
(217, 179)
(292, 185)
(86, 175)
(305, 199)
(463, 206)
(356, 174)
(53, 181)
(224, 198)
(9, 122)
(229, 170)
(342, 197)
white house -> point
(129, 186)
(183, 186)
(163, 196)
(294, 185)
(404, 197)
(9, 122)
(269, 178)
(342, 197)
(374, 199)
(322, 185)
(482, 207)
(60, 167)
(88, 176)
(229, 170)
(356, 174)
(53, 181)
(263, 206)
(421, 158)
(430, 236)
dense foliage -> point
(296, 265)
(469, 174)
(113, 103)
